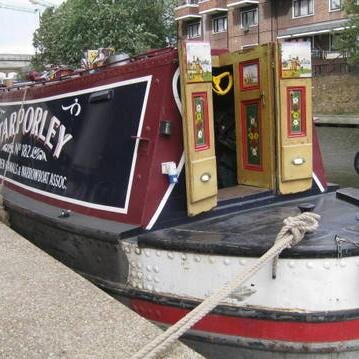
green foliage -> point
(348, 40)
(130, 26)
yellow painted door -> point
(294, 128)
(254, 113)
(198, 128)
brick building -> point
(239, 24)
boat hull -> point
(222, 350)
(311, 310)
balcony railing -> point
(327, 54)
(241, 3)
(326, 65)
(187, 10)
(187, 2)
(212, 6)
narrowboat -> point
(161, 177)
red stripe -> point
(303, 332)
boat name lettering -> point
(33, 121)
(33, 174)
(25, 150)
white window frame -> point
(300, 16)
(242, 12)
(216, 18)
(337, 9)
(192, 24)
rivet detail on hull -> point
(310, 265)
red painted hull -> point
(256, 329)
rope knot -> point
(293, 232)
(297, 226)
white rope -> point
(298, 229)
(292, 233)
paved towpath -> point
(48, 311)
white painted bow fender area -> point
(303, 285)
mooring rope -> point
(291, 234)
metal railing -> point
(322, 67)
(187, 2)
(327, 54)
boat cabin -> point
(163, 136)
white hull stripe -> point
(164, 200)
(302, 285)
(317, 181)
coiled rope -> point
(291, 234)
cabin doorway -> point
(225, 133)
(229, 182)
(244, 124)
(244, 140)
(228, 135)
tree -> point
(348, 40)
(130, 26)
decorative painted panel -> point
(198, 62)
(296, 59)
(252, 135)
(296, 111)
(200, 121)
(249, 75)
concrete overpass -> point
(13, 62)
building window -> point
(193, 30)
(303, 8)
(335, 5)
(249, 18)
(219, 24)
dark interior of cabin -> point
(225, 133)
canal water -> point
(339, 146)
